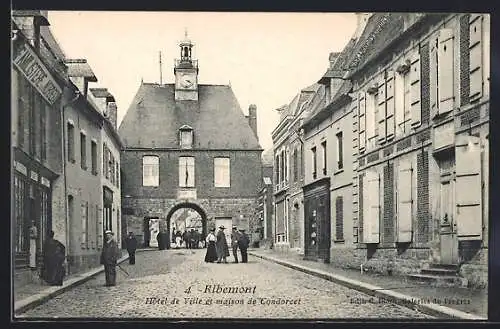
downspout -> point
(63, 123)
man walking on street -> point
(234, 243)
(243, 243)
(131, 247)
(109, 258)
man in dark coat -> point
(187, 238)
(221, 245)
(109, 258)
(131, 243)
(243, 243)
(235, 235)
(54, 254)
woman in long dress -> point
(211, 255)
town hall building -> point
(188, 146)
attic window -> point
(186, 137)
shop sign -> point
(36, 73)
(45, 182)
(34, 176)
(21, 168)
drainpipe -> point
(63, 123)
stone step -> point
(447, 280)
(439, 271)
(454, 267)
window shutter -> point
(416, 107)
(433, 77)
(370, 116)
(362, 121)
(405, 201)
(390, 104)
(182, 172)
(399, 87)
(468, 188)
(191, 172)
(476, 56)
(371, 190)
(446, 70)
(381, 113)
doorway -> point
(448, 227)
(182, 217)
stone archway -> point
(184, 205)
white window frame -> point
(149, 164)
(187, 164)
(222, 178)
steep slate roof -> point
(154, 118)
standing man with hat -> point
(221, 245)
(235, 235)
(243, 243)
(109, 258)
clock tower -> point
(186, 73)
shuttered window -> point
(476, 56)
(362, 121)
(399, 101)
(415, 91)
(405, 201)
(446, 81)
(371, 205)
(222, 176)
(339, 218)
(150, 170)
(280, 217)
(433, 76)
(468, 188)
(390, 105)
(370, 120)
(380, 99)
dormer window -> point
(186, 137)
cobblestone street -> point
(161, 277)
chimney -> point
(362, 19)
(112, 114)
(29, 22)
(332, 58)
(252, 118)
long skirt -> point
(211, 255)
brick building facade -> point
(420, 106)
(188, 145)
(57, 159)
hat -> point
(235, 227)
(109, 232)
(222, 227)
(242, 229)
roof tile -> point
(154, 119)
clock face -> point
(187, 81)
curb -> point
(49, 293)
(383, 294)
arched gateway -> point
(185, 205)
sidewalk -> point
(454, 302)
(31, 295)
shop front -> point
(317, 221)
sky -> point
(267, 58)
